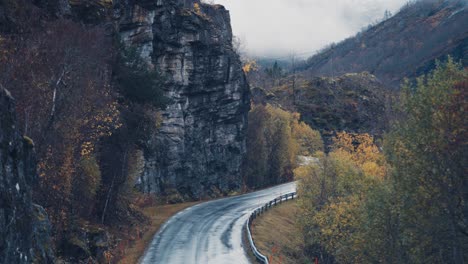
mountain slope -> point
(352, 102)
(406, 45)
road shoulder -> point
(157, 216)
(276, 234)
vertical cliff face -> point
(200, 146)
(24, 228)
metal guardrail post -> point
(262, 258)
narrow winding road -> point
(210, 232)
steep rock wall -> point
(199, 148)
(24, 227)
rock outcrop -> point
(353, 102)
(199, 148)
(20, 226)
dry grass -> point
(158, 215)
(277, 236)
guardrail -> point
(262, 209)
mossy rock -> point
(174, 197)
(76, 247)
(28, 141)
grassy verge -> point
(157, 216)
(277, 236)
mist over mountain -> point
(405, 45)
(344, 86)
(276, 28)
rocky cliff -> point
(199, 148)
(24, 228)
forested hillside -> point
(400, 198)
(350, 85)
(353, 102)
(404, 45)
(391, 184)
(405, 204)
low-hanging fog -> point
(282, 27)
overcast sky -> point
(281, 27)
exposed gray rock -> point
(42, 243)
(200, 145)
(24, 228)
(15, 188)
(17, 174)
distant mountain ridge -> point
(405, 45)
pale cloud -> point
(281, 27)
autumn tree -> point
(61, 80)
(275, 73)
(410, 207)
(332, 199)
(250, 66)
(362, 150)
(427, 149)
(273, 145)
(309, 140)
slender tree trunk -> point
(54, 97)
(107, 200)
(26, 121)
(109, 193)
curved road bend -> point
(210, 232)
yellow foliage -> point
(102, 123)
(249, 66)
(272, 147)
(363, 151)
(90, 177)
(372, 168)
(197, 9)
(332, 195)
(338, 223)
(309, 140)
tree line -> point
(275, 138)
(401, 201)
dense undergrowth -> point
(76, 101)
(405, 204)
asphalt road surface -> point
(210, 232)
